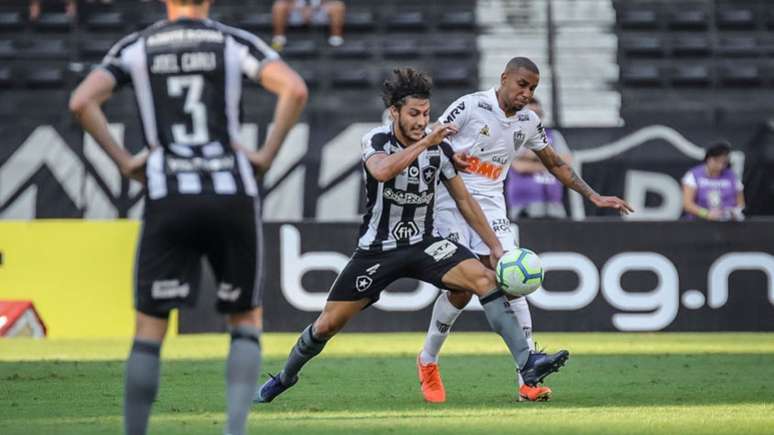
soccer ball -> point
(519, 272)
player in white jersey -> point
(492, 126)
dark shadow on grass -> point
(376, 384)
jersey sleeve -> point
(448, 170)
(255, 55)
(458, 112)
(689, 180)
(537, 140)
(116, 63)
(372, 144)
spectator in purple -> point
(531, 191)
(305, 12)
(711, 190)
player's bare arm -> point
(384, 167)
(475, 217)
(86, 105)
(278, 78)
(564, 173)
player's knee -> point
(326, 328)
(484, 282)
(459, 299)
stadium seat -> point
(641, 75)
(739, 74)
(351, 78)
(738, 46)
(457, 20)
(735, 18)
(299, 49)
(691, 74)
(256, 22)
(95, 48)
(45, 49)
(643, 45)
(8, 49)
(106, 21)
(638, 19)
(688, 18)
(10, 21)
(359, 21)
(401, 48)
(407, 21)
(352, 49)
(44, 77)
(53, 22)
(690, 44)
(6, 77)
(453, 75)
(452, 47)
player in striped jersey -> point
(403, 167)
(201, 195)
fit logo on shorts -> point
(169, 289)
(227, 292)
(405, 230)
(441, 250)
(363, 282)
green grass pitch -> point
(366, 384)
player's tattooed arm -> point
(564, 173)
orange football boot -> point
(430, 381)
(537, 393)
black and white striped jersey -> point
(399, 212)
(187, 78)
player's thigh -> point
(168, 262)
(433, 259)
(233, 244)
(470, 275)
(252, 317)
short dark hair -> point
(403, 83)
(719, 148)
(521, 62)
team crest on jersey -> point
(518, 138)
(485, 131)
(523, 117)
(428, 174)
(484, 105)
(363, 282)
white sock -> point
(444, 315)
(521, 310)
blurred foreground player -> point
(403, 167)
(201, 195)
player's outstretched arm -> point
(384, 167)
(475, 217)
(280, 79)
(564, 173)
(86, 105)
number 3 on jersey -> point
(193, 86)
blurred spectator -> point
(298, 12)
(36, 7)
(711, 190)
(531, 191)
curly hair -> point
(403, 83)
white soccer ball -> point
(519, 272)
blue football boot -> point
(272, 388)
(539, 365)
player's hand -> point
(460, 161)
(612, 202)
(260, 160)
(494, 256)
(440, 132)
(134, 168)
